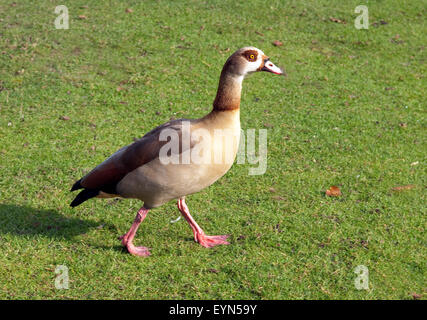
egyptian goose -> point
(162, 166)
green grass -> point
(350, 113)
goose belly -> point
(156, 183)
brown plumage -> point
(103, 179)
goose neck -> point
(229, 92)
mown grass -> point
(350, 113)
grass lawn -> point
(351, 113)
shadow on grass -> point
(27, 221)
(31, 222)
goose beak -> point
(271, 67)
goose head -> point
(248, 60)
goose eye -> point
(251, 56)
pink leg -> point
(127, 239)
(199, 234)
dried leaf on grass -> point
(402, 188)
(336, 20)
(333, 191)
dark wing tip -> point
(76, 186)
(84, 195)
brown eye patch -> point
(251, 55)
